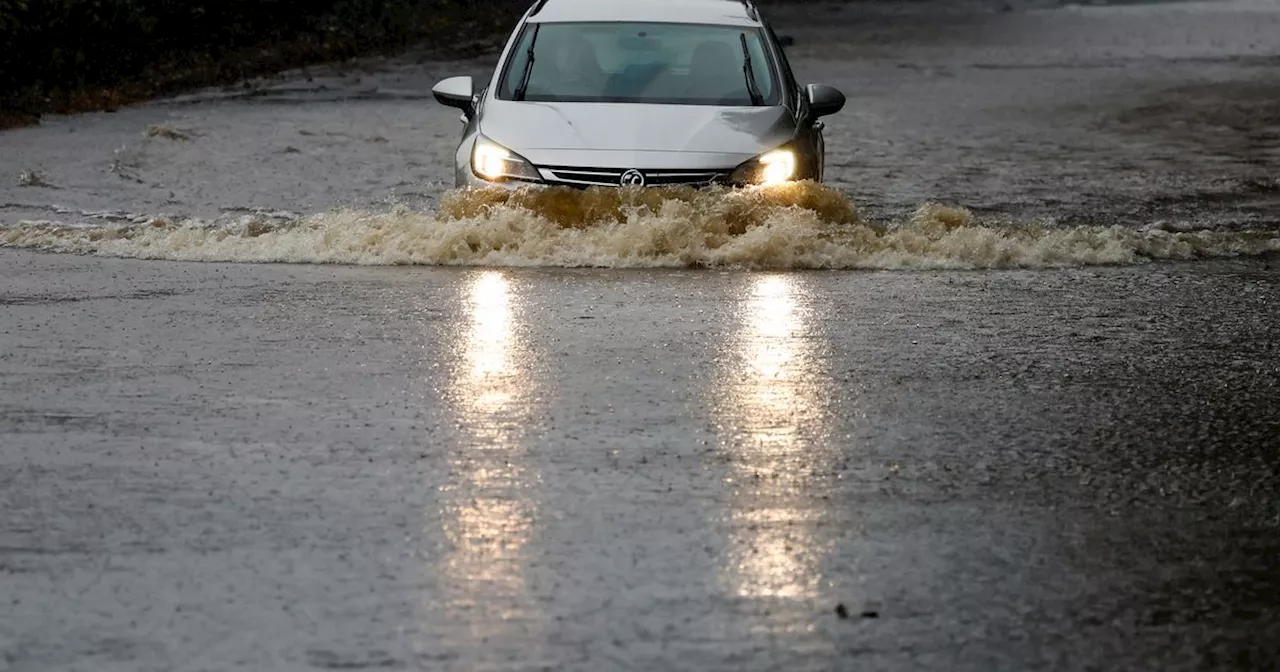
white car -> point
(640, 93)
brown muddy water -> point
(800, 226)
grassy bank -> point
(65, 56)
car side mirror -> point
(824, 100)
(456, 92)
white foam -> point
(801, 226)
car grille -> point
(612, 177)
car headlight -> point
(773, 167)
(495, 163)
(777, 166)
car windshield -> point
(663, 63)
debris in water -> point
(166, 132)
(870, 610)
(125, 164)
(34, 178)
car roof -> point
(718, 12)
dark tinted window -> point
(667, 63)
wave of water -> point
(793, 226)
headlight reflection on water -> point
(766, 401)
(487, 349)
(489, 512)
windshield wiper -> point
(749, 73)
(523, 87)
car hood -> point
(586, 133)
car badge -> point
(632, 178)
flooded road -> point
(638, 434)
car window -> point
(667, 63)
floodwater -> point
(1024, 418)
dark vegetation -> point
(73, 55)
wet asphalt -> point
(293, 467)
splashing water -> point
(793, 226)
